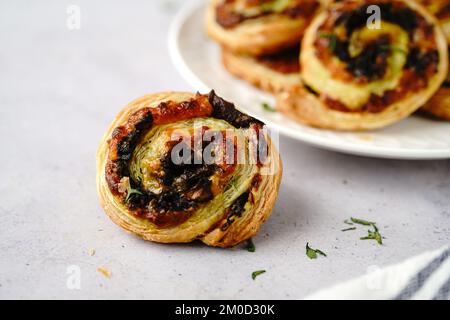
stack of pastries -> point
(342, 65)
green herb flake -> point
(348, 222)
(362, 222)
(132, 191)
(321, 252)
(268, 107)
(274, 6)
(267, 7)
(232, 183)
(348, 229)
(250, 246)
(312, 253)
(393, 49)
(257, 273)
(332, 40)
(374, 235)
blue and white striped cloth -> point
(425, 277)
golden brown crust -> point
(441, 10)
(259, 74)
(439, 104)
(207, 226)
(311, 108)
(304, 107)
(264, 35)
(251, 224)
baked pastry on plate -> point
(272, 73)
(257, 27)
(439, 104)
(175, 167)
(360, 73)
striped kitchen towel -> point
(425, 277)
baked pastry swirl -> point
(257, 27)
(175, 167)
(361, 76)
(439, 104)
(272, 73)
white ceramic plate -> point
(198, 60)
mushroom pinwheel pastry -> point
(367, 64)
(175, 167)
(439, 104)
(258, 27)
(272, 73)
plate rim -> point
(194, 81)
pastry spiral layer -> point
(439, 104)
(257, 27)
(441, 10)
(272, 73)
(175, 167)
(362, 73)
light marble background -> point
(59, 89)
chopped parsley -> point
(257, 273)
(392, 48)
(267, 7)
(132, 191)
(371, 234)
(232, 183)
(312, 253)
(362, 222)
(374, 235)
(332, 40)
(348, 229)
(274, 6)
(348, 222)
(250, 246)
(268, 107)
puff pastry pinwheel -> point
(273, 73)
(439, 104)
(175, 167)
(257, 27)
(361, 73)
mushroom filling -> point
(285, 62)
(179, 188)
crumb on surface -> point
(105, 272)
(91, 252)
